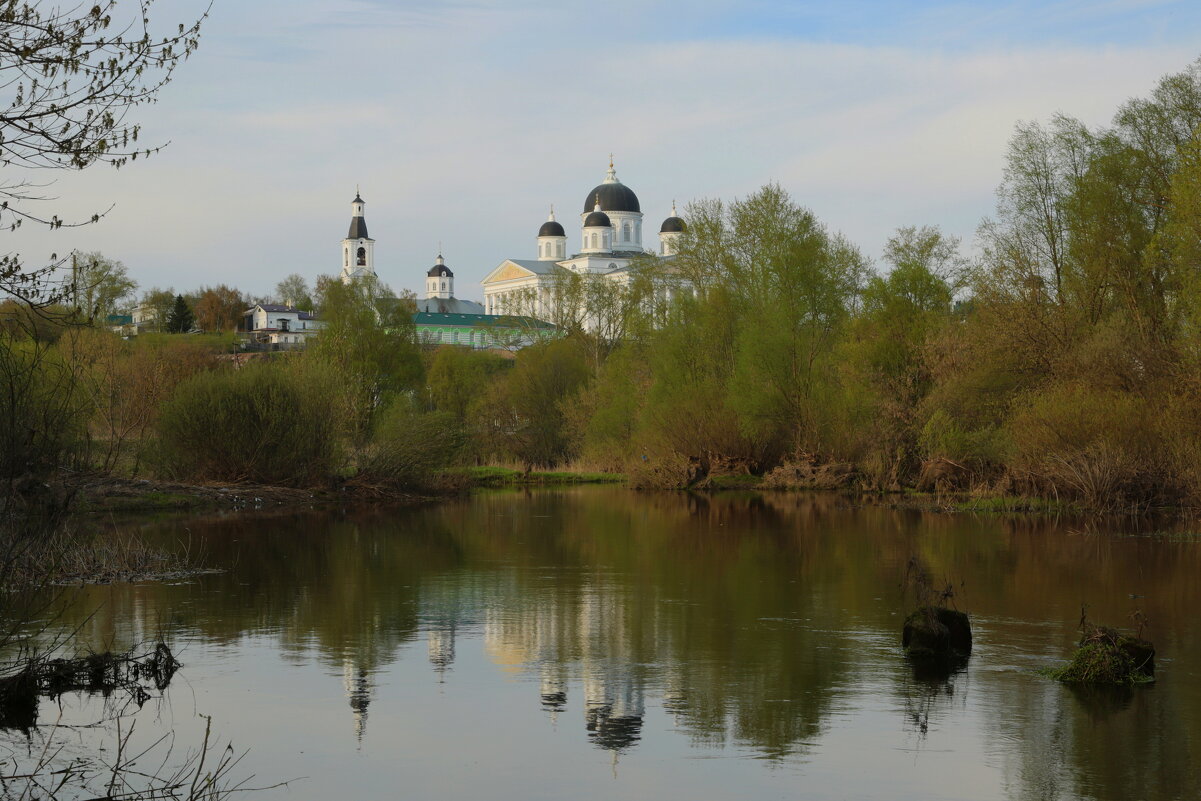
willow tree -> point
(368, 339)
(748, 357)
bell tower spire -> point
(358, 257)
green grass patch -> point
(1011, 504)
(150, 501)
(1106, 656)
(491, 476)
(740, 481)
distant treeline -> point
(1063, 361)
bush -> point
(408, 447)
(1101, 447)
(1106, 656)
(261, 423)
(943, 437)
(42, 416)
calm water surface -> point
(598, 643)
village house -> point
(278, 326)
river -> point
(597, 643)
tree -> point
(931, 250)
(458, 376)
(369, 338)
(180, 319)
(157, 304)
(294, 290)
(219, 308)
(100, 286)
(75, 73)
(523, 414)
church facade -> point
(611, 242)
(440, 317)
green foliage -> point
(180, 319)
(294, 290)
(100, 286)
(42, 417)
(1099, 446)
(458, 377)
(263, 423)
(523, 417)
(942, 437)
(368, 339)
(408, 447)
(158, 303)
(492, 476)
(604, 418)
(1107, 656)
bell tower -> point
(358, 258)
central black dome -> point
(440, 271)
(613, 197)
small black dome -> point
(551, 228)
(614, 196)
(672, 225)
(440, 271)
(597, 218)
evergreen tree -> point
(180, 318)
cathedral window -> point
(626, 232)
(443, 286)
(362, 257)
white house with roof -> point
(279, 325)
(611, 240)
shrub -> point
(1106, 656)
(1101, 447)
(42, 416)
(408, 447)
(942, 437)
(261, 423)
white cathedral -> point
(610, 241)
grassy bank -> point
(492, 476)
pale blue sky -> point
(463, 121)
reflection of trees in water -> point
(737, 612)
(930, 688)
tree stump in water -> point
(937, 632)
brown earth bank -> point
(89, 493)
(936, 484)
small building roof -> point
(449, 306)
(278, 308)
(474, 320)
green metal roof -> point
(478, 320)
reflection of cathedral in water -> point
(549, 635)
(440, 647)
(357, 683)
(584, 639)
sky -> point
(462, 122)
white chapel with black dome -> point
(611, 238)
